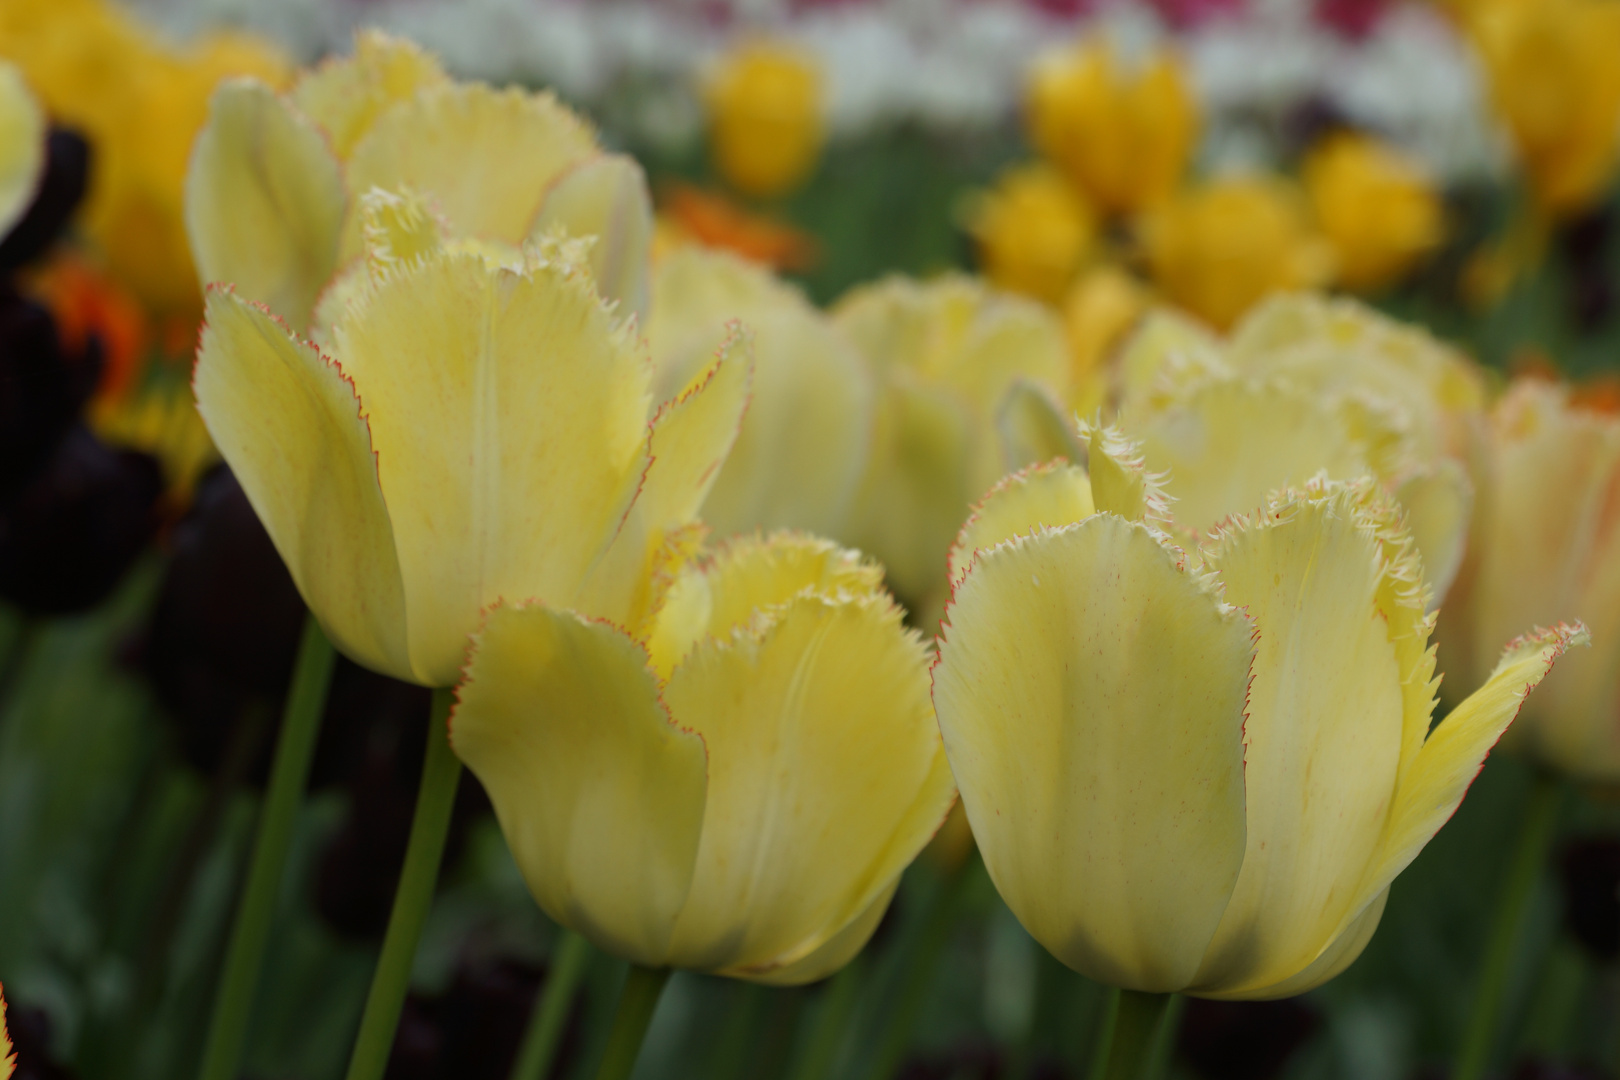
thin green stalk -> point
(1105, 1036)
(295, 748)
(1137, 1025)
(833, 1017)
(1536, 828)
(733, 1045)
(540, 1042)
(637, 1001)
(435, 798)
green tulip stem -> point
(256, 908)
(832, 1020)
(642, 989)
(435, 799)
(1536, 827)
(1137, 1023)
(568, 962)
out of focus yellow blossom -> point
(1547, 547)
(1099, 311)
(22, 146)
(946, 355)
(273, 198)
(803, 444)
(160, 419)
(1122, 130)
(1219, 248)
(1377, 207)
(140, 102)
(766, 118)
(1200, 771)
(735, 785)
(473, 429)
(1555, 83)
(1032, 230)
(691, 215)
(1307, 385)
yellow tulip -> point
(268, 202)
(804, 442)
(1032, 232)
(1220, 248)
(766, 123)
(1199, 771)
(22, 146)
(473, 432)
(1122, 132)
(1548, 541)
(1556, 86)
(946, 355)
(1377, 208)
(1307, 385)
(1098, 314)
(733, 788)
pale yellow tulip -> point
(804, 443)
(272, 197)
(946, 355)
(1548, 541)
(732, 787)
(1199, 771)
(473, 432)
(22, 146)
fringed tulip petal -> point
(1120, 482)
(1091, 694)
(506, 410)
(1033, 428)
(1047, 496)
(487, 156)
(1439, 502)
(605, 197)
(1340, 954)
(264, 201)
(291, 424)
(822, 748)
(693, 433)
(345, 95)
(600, 795)
(1323, 736)
(22, 146)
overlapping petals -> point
(22, 146)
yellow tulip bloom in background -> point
(22, 146)
(1099, 312)
(946, 355)
(1200, 770)
(1555, 84)
(1306, 384)
(733, 786)
(803, 445)
(1032, 231)
(474, 432)
(1122, 131)
(1378, 209)
(140, 102)
(272, 196)
(766, 118)
(1548, 540)
(1221, 247)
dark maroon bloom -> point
(66, 177)
(43, 388)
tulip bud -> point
(765, 119)
(1377, 208)
(1033, 232)
(1199, 771)
(69, 535)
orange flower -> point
(692, 215)
(85, 301)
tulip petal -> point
(264, 201)
(826, 777)
(1326, 716)
(344, 95)
(1091, 696)
(600, 796)
(693, 433)
(1439, 502)
(1167, 348)
(1045, 496)
(22, 146)
(606, 197)
(1226, 443)
(1034, 428)
(837, 951)
(507, 411)
(290, 424)
(746, 577)
(487, 156)
(1120, 482)
(1340, 954)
